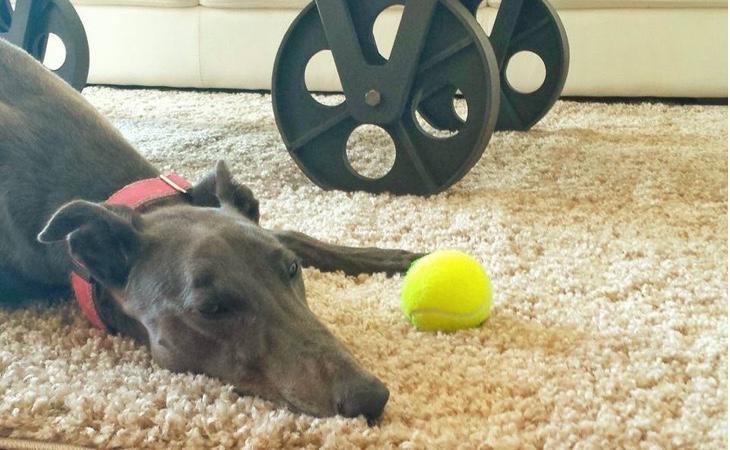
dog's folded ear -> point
(105, 239)
(220, 189)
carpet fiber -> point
(604, 230)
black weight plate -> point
(456, 53)
(45, 17)
(538, 30)
(62, 20)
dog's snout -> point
(367, 398)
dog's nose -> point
(367, 398)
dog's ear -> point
(105, 239)
(220, 189)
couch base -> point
(614, 52)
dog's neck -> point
(109, 304)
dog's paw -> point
(399, 261)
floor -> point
(604, 230)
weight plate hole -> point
(55, 55)
(370, 152)
(385, 29)
(525, 72)
(55, 52)
(486, 16)
(432, 131)
(461, 108)
(320, 74)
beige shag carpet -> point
(604, 230)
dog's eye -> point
(294, 269)
(211, 310)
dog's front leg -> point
(351, 260)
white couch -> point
(671, 48)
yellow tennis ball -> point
(446, 290)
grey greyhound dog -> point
(193, 277)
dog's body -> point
(53, 148)
(194, 278)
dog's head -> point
(214, 293)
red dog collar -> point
(134, 195)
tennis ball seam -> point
(482, 309)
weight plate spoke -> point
(323, 161)
(456, 55)
(443, 54)
(403, 133)
(5, 12)
(329, 120)
(535, 32)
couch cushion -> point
(147, 3)
(256, 4)
(299, 4)
(228, 4)
(263, 4)
(559, 4)
(629, 4)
